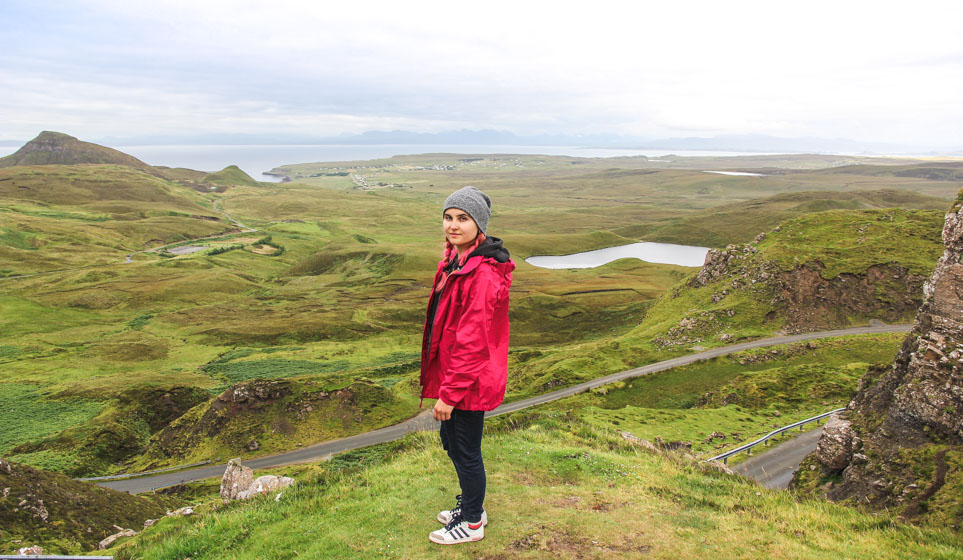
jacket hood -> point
(491, 247)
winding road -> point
(424, 420)
(774, 468)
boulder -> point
(238, 482)
(265, 484)
(35, 550)
(237, 478)
(182, 511)
(835, 446)
(110, 540)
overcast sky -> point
(872, 71)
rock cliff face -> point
(804, 298)
(899, 444)
(815, 272)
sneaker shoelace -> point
(455, 521)
(457, 509)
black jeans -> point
(461, 437)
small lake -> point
(737, 173)
(660, 253)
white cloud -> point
(872, 71)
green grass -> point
(556, 487)
(744, 395)
(346, 298)
(235, 372)
(854, 241)
(22, 405)
(230, 175)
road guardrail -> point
(765, 439)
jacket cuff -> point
(452, 396)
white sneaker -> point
(447, 515)
(458, 531)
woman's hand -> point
(442, 411)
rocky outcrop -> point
(835, 447)
(237, 478)
(801, 296)
(121, 533)
(238, 482)
(904, 447)
(266, 415)
(266, 484)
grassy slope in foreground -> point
(555, 487)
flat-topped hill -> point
(56, 148)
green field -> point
(331, 287)
(116, 350)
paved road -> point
(774, 468)
(424, 421)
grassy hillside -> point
(56, 148)
(274, 416)
(77, 216)
(556, 486)
(66, 516)
(337, 296)
(740, 222)
(230, 175)
(738, 397)
(821, 271)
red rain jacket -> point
(465, 362)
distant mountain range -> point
(727, 142)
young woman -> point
(464, 353)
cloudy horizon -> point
(112, 69)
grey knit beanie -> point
(474, 202)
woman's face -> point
(460, 229)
